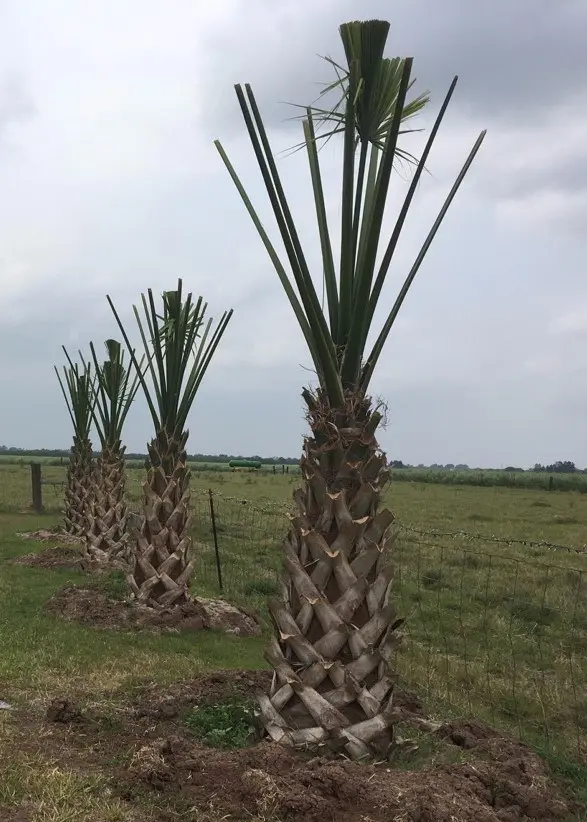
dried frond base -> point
(107, 536)
(78, 488)
(162, 565)
(336, 629)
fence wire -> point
(488, 635)
(492, 632)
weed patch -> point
(227, 725)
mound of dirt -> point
(57, 535)
(267, 780)
(465, 771)
(90, 606)
(58, 557)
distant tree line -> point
(559, 467)
(211, 458)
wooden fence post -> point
(37, 487)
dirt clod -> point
(62, 710)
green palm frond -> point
(370, 115)
(375, 94)
(78, 389)
(115, 390)
(179, 344)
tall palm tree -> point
(107, 537)
(179, 347)
(77, 388)
(336, 628)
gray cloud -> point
(514, 60)
(117, 188)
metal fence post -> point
(215, 535)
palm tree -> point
(107, 537)
(178, 347)
(77, 388)
(336, 627)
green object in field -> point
(244, 464)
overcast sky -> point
(109, 183)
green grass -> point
(496, 627)
(529, 480)
(48, 654)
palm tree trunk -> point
(78, 487)
(162, 565)
(336, 628)
(107, 539)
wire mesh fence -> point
(488, 635)
(496, 628)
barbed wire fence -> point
(491, 633)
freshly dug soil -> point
(501, 780)
(60, 556)
(269, 781)
(91, 606)
(55, 535)
(161, 774)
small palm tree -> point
(77, 388)
(336, 628)
(179, 345)
(107, 537)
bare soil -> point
(55, 534)
(8, 814)
(93, 607)
(59, 556)
(161, 774)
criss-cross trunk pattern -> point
(162, 565)
(179, 344)
(337, 628)
(78, 487)
(107, 537)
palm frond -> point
(178, 349)
(116, 388)
(77, 387)
(371, 112)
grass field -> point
(485, 478)
(496, 619)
